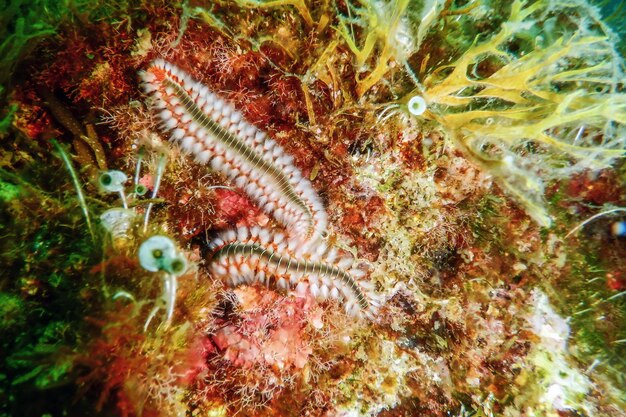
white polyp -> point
(334, 293)
(416, 105)
(154, 250)
(112, 181)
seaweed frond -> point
(529, 107)
(77, 186)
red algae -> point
(486, 298)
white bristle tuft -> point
(203, 157)
(324, 291)
(264, 236)
(219, 270)
(301, 289)
(242, 234)
(178, 134)
(282, 284)
(314, 289)
(345, 263)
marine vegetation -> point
(312, 208)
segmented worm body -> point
(215, 132)
(211, 129)
(248, 256)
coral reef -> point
(297, 208)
